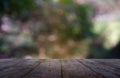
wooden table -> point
(53, 68)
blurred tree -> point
(58, 27)
(63, 22)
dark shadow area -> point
(114, 52)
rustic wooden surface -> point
(53, 68)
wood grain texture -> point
(57, 68)
(19, 69)
(104, 70)
(47, 69)
(74, 69)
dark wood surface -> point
(58, 68)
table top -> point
(60, 68)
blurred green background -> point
(59, 29)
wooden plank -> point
(111, 66)
(47, 69)
(52, 68)
(6, 63)
(106, 71)
(74, 69)
(20, 69)
(115, 63)
(5, 60)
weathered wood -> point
(6, 63)
(47, 69)
(53, 68)
(20, 69)
(105, 71)
(112, 62)
(74, 69)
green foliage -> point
(67, 2)
(16, 6)
(83, 13)
(80, 25)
